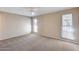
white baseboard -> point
(13, 37)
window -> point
(67, 26)
(35, 28)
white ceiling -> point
(26, 11)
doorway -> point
(35, 26)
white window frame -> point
(67, 30)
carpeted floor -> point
(33, 42)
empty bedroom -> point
(39, 29)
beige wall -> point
(50, 24)
(12, 25)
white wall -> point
(12, 25)
(50, 24)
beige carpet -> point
(33, 42)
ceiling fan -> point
(33, 10)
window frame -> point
(61, 24)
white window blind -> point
(67, 26)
